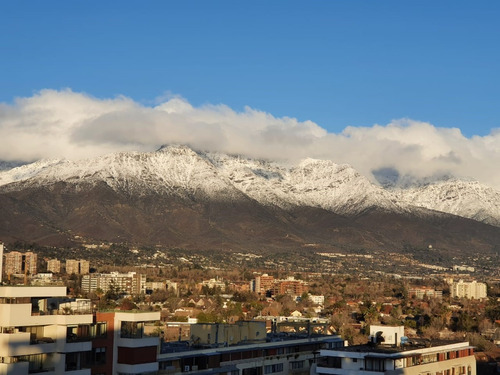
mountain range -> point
(181, 197)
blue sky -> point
(336, 63)
(411, 87)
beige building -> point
(54, 265)
(17, 263)
(228, 334)
(392, 353)
(128, 283)
(470, 290)
(421, 292)
(78, 267)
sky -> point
(411, 86)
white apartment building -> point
(129, 283)
(318, 300)
(470, 290)
(34, 334)
(391, 353)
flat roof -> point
(417, 346)
(190, 351)
(19, 291)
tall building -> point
(263, 283)
(54, 265)
(292, 287)
(78, 267)
(20, 263)
(13, 263)
(390, 352)
(470, 290)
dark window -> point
(99, 355)
(374, 364)
(270, 369)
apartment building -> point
(264, 283)
(128, 283)
(17, 263)
(275, 354)
(421, 292)
(126, 343)
(213, 283)
(390, 352)
(41, 330)
(470, 290)
(78, 267)
(54, 265)
(35, 336)
(261, 284)
(293, 287)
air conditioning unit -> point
(187, 368)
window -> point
(101, 329)
(270, 369)
(295, 365)
(252, 371)
(132, 330)
(374, 364)
(99, 355)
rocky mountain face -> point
(179, 197)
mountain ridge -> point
(181, 197)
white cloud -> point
(56, 124)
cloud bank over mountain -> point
(66, 124)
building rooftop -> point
(414, 345)
(19, 291)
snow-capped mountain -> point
(182, 197)
(464, 198)
(315, 183)
(181, 171)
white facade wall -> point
(469, 290)
(50, 338)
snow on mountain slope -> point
(175, 170)
(180, 171)
(316, 183)
(468, 199)
(27, 171)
